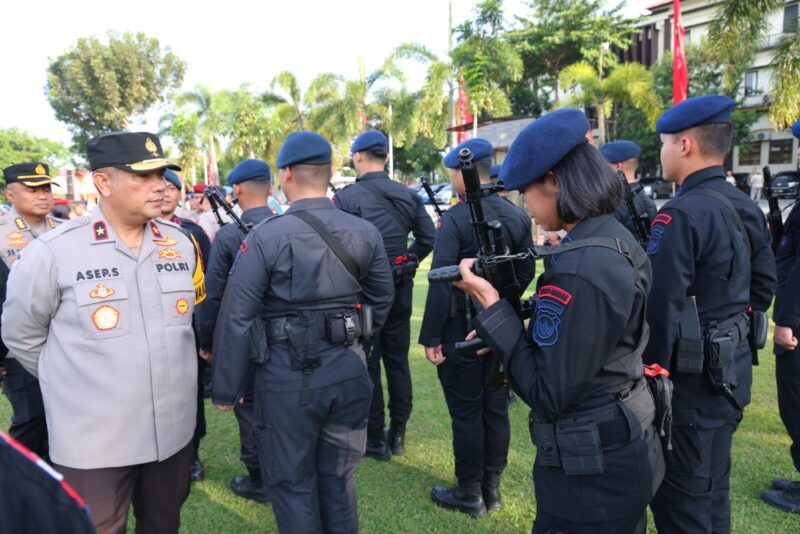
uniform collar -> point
(374, 175)
(255, 215)
(701, 176)
(102, 232)
(587, 227)
(311, 204)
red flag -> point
(680, 74)
(464, 116)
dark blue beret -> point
(369, 139)
(249, 169)
(796, 129)
(619, 151)
(695, 111)
(308, 148)
(542, 144)
(495, 172)
(173, 178)
(481, 149)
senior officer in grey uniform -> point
(478, 412)
(299, 292)
(29, 192)
(107, 301)
(709, 247)
(251, 180)
(624, 155)
(395, 210)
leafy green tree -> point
(209, 108)
(17, 146)
(97, 87)
(183, 127)
(736, 33)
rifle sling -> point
(334, 244)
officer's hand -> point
(205, 354)
(478, 287)
(784, 338)
(434, 355)
(484, 351)
(225, 407)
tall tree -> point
(97, 87)
(736, 34)
(17, 146)
(208, 107)
(561, 32)
(184, 129)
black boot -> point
(457, 499)
(376, 445)
(248, 488)
(396, 436)
(492, 498)
(196, 470)
(788, 501)
(785, 485)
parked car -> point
(656, 187)
(785, 184)
(445, 195)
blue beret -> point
(481, 149)
(796, 129)
(369, 139)
(495, 172)
(619, 151)
(304, 147)
(542, 144)
(695, 111)
(249, 169)
(172, 177)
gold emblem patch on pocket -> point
(182, 306)
(105, 318)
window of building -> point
(790, 17)
(780, 151)
(750, 154)
(751, 83)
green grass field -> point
(394, 496)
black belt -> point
(276, 328)
(738, 327)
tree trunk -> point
(213, 171)
(601, 122)
(555, 87)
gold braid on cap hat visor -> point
(150, 164)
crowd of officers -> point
(298, 313)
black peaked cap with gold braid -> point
(32, 174)
(136, 152)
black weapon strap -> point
(384, 199)
(705, 191)
(333, 243)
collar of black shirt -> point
(311, 204)
(698, 177)
(373, 175)
(588, 227)
(256, 215)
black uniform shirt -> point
(644, 205)
(199, 235)
(226, 244)
(360, 201)
(787, 259)
(587, 336)
(284, 266)
(697, 249)
(455, 240)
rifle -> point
(216, 197)
(774, 215)
(491, 247)
(640, 222)
(426, 185)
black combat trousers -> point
(200, 421)
(787, 375)
(391, 346)
(246, 418)
(28, 424)
(479, 417)
(309, 453)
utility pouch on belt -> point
(661, 388)
(580, 449)
(259, 352)
(366, 321)
(344, 327)
(543, 436)
(690, 356)
(721, 365)
(757, 336)
(298, 335)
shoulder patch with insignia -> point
(156, 230)
(657, 229)
(20, 222)
(100, 231)
(550, 306)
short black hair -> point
(317, 176)
(587, 187)
(375, 154)
(257, 187)
(714, 140)
(484, 167)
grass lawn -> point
(394, 496)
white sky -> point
(224, 43)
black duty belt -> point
(738, 327)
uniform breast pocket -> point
(177, 298)
(103, 308)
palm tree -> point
(736, 33)
(289, 100)
(210, 121)
(184, 129)
(629, 83)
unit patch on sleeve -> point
(657, 229)
(552, 301)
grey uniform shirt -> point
(109, 335)
(16, 234)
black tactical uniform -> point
(579, 367)
(644, 205)
(479, 414)
(392, 342)
(226, 245)
(697, 249)
(311, 386)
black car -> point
(785, 184)
(656, 187)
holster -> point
(759, 329)
(259, 351)
(722, 340)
